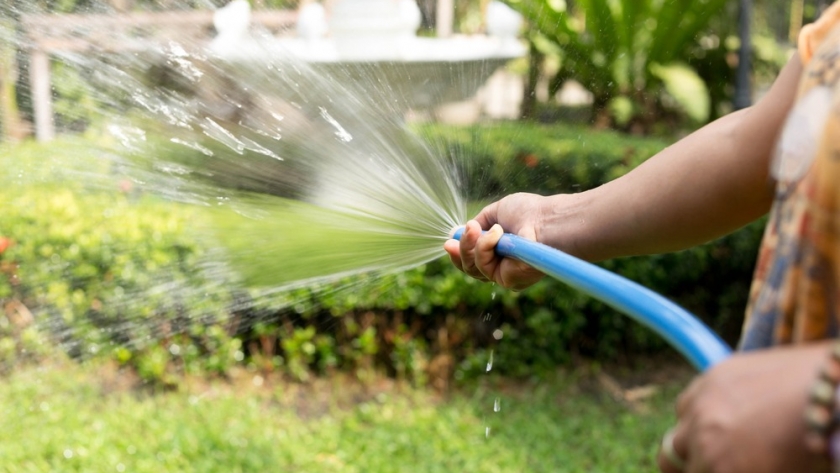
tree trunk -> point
(529, 95)
(428, 10)
(9, 115)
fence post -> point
(743, 89)
(39, 76)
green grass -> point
(79, 419)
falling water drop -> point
(493, 296)
(487, 432)
(497, 405)
(490, 362)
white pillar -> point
(445, 18)
(39, 78)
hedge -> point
(107, 271)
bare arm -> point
(706, 185)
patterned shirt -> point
(795, 295)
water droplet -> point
(497, 405)
(487, 432)
(498, 334)
(340, 132)
(493, 296)
(490, 362)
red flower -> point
(5, 243)
(126, 186)
(530, 160)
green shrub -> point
(106, 272)
(503, 158)
(114, 273)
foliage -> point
(74, 419)
(623, 50)
(75, 107)
(104, 271)
(503, 158)
(119, 274)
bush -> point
(549, 324)
(114, 273)
(105, 272)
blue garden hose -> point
(697, 343)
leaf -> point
(693, 23)
(621, 108)
(633, 13)
(601, 24)
(686, 87)
(678, 23)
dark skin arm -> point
(746, 414)
(704, 186)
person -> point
(782, 156)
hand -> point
(520, 214)
(746, 414)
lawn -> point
(96, 418)
(62, 416)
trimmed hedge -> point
(113, 273)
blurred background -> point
(126, 344)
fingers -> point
(467, 250)
(488, 215)
(673, 452)
(453, 248)
(475, 254)
(516, 275)
(673, 456)
(687, 397)
(486, 260)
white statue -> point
(312, 21)
(231, 22)
(502, 20)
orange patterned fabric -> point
(814, 34)
(795, 296)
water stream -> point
(294, 173)
(307, 174)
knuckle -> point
(663, 464)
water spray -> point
(683, 331)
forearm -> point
(706, 185)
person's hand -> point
(475, 255)
(746, 415)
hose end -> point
(457, 233)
